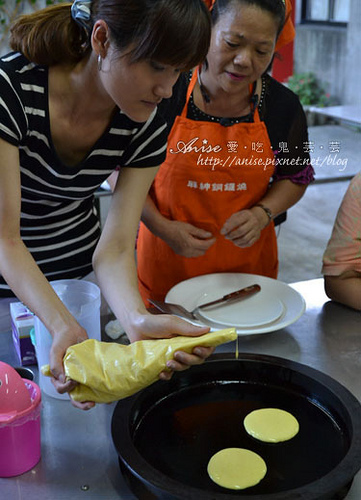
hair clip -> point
(81, 13)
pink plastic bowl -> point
(20, 436)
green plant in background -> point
(308, 89)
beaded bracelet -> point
(267, 210)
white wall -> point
(352, 75)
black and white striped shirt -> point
(59, 223)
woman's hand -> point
(160, 326)
(61, 341)
(182, 361)
(184, 238)
(187, 240)
(244, 228)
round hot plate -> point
(166, 434)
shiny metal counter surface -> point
(78, 458)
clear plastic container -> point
(82, 299)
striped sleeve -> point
(13, 117)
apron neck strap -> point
(254, 101)
(191, 85)
(252, 90)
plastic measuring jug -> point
(82, 299)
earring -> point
(100, 62)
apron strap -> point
(252, 89)
(189, 92)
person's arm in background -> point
(342, 257)
(115, 268)
(244, 228)
(345, 288)
(287, 129)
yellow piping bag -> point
(107, 371)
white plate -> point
(250, 312)
(195, 291)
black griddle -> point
(166, 434)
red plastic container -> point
(20, 404)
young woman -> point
(237, 157)
(78, 100)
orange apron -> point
(210, 172)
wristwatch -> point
(267, 210)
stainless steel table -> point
(78, 458)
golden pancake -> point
(271, 425)
(236, 468)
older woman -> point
(237, 157)
(78, 100)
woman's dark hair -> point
(275, 7)
(174, 32)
